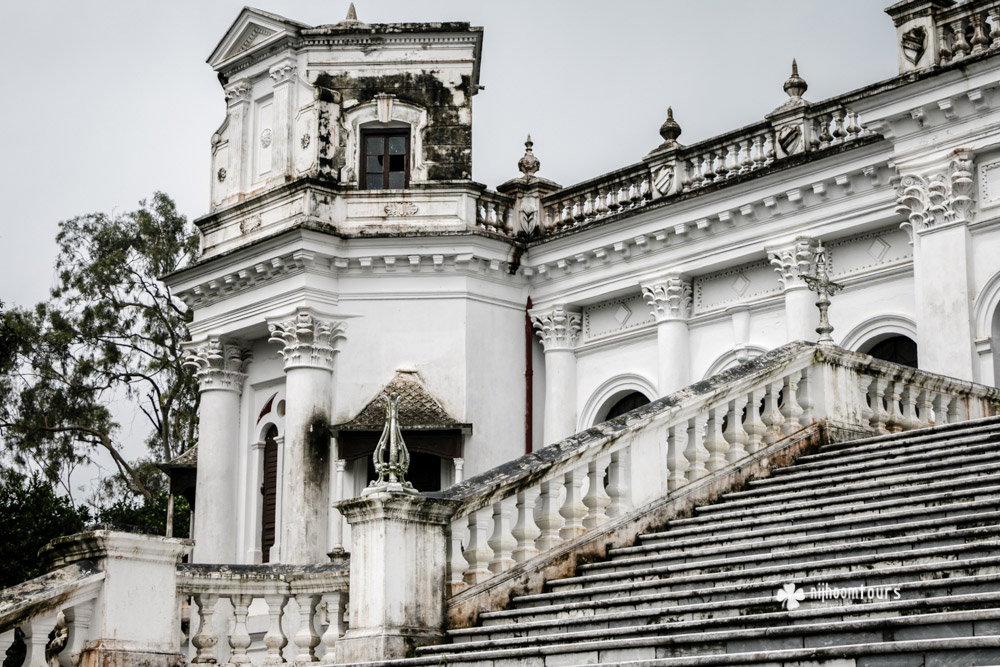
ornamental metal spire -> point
(391, 472)
(820, 283)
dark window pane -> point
(396, 180)
(397, 145)
(374, 164)
(397, 163)
(374, 182)
(376, 145)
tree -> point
(111, 328)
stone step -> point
(768, 541)
(820, 525)
(897, 484)
(871, 570)
(652, 643)
(734, 599)
(787, 564)
(862, 469)
(875, 545)
(754, 612)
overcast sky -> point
(110, 100)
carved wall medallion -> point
(221, 174)
(914, 43)
(663, 179)
(304, 142)
(788, 138)
(250, 223)
(265, 138)
(401, 209)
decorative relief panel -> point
(880, 248)
(732, 286)
(616, 315)
(989, 184)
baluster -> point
(588, 208)
(853, 126)
(791, 411)
(979, 40)
(457, 564)
(867, 414)
(644, 190)
(602, 204)
(708, 171)
(548, 519)
(995, 30)
(36, 638)
(758, 151)
(306, 638)
(960, 46)
(894, 417)
(910, 420)
(925, 408)
(618, 489)
(572, 510)
(715, 442)
(79, 628)
(734, 433)
(502, 542)
(838, 126)
(753, 424)
(525, 531)
(805, 396)
(746, 162)
(207, 638)
(944, 51)
(239, 638)
(880, 415)
(772, 416)
(722, 169)
(597, 499)
(814, 132)
(480, 214)
(275, 639)
(677, 463)
(956, 411)
(824, 131)
(941, 403)
(478, 552)
(696, 454)
(335, 603)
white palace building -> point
(347, 254)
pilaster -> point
(238, 96)
(559, 330)
(284, 75)
(670, 300)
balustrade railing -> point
(534, 504)
(262, 614)
(494, 213)
(593, 200)
(967, 29)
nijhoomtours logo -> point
(791, 597)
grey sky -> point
(110, 100)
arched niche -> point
(732, 358)
(609, 393)
(875, 329)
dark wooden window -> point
(269, 489)
(385, 160)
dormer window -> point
(385, 159)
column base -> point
(383, 644)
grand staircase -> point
(909, 522)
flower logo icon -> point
(790, 597)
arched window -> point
(626, 403)
(269, 489)
(897, 349)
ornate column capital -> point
(558, 328)
(283, 72)
(669, 298)
(309, 341)
(793, 262)
(219, 366)
(238, 91)
(938, 199)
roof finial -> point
(528, 164)
(795, 85)
(352, 15)
(819, 281)
(392, 459)
(670, 130)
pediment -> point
(252, 30)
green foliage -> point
(110, 329)
(31, 515)
(148, 515)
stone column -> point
(238, 96)
(398, 564)
(939, 207)
(309, 349)
(559, 330)
(219, 368)
(791, 262)
(283, 75)
(670, 299)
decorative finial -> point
(820, 283)
(670, 130)
(391, 472)
(528, 164)
(352, 14)
(795, 86)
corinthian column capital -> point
(669, 298)
(938, 199)
(792, 262)
(217, 365)
(558, 328)
(308, 341)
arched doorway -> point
(897, 349)
(626, 403)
